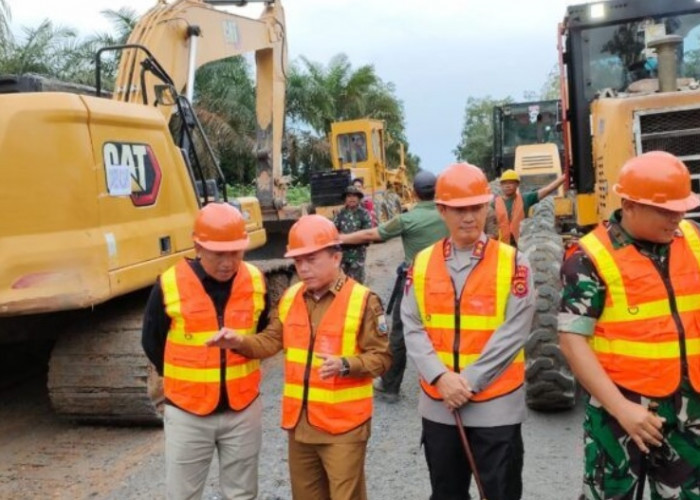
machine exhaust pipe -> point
(665, 47)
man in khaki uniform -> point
(334, 346)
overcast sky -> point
(437, 53)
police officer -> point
(211, 394)
(512, 207)
(327, 325)
(353, 217)
(467, 310)
(419, 228)
(630, 329)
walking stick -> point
(644, 466)
(468, 453)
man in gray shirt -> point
(467, 308)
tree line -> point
(317, 94)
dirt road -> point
(42, 457)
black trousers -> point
(498, 453)
(394, 375)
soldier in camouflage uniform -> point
(353, 217)
(640, 362)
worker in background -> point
(512, 207)
(467, 309)
(328, 326)
(367, 202)
(419, 228)
(353, 217)
(630, 328)
(211, 394)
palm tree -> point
(225, 102)
(319, 95)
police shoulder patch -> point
(519, 286)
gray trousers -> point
(190, 442)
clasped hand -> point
(454, 390)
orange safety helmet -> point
(310, 234)
(220, 227)
(659, 179)
(462, 185)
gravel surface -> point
(42, 457)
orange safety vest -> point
(193, 372)
(482, 309)
(637, 338)
(337, 404)
(507, 227)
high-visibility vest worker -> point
(481, 310)
(337, 404)
(643, 336)
(193, 372)
(509, 226)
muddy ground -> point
(43, 457)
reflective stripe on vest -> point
(508, 227)
(192, 373)
(482, 309)
(337, 404)
(636, 338)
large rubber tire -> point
(550, 384)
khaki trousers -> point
(190, 442)
(327, 471)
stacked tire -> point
(550, 384)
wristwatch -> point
(345, 370)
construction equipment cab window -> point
(352, 147)
(619, 55)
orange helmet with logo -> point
(462, 185)
(220, 227)
(310, 234)
(658, 179)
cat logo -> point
(131, 169)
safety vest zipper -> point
(307, 369)
(222, 362)
(674, 312)
(458, 326)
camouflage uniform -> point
(349, 221)
(613, 462)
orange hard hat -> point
(310, 234)
(220, 227)
(462, 185)
(659, 179)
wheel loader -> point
(629, 80)
(99, 194)
(358, 151)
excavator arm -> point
(185, 35)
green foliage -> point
(297, 194)
(319, 95)
(551, 88)
(225, 103)
(5, 17)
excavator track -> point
(98, 372)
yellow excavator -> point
(99, 194)
(358, 152)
